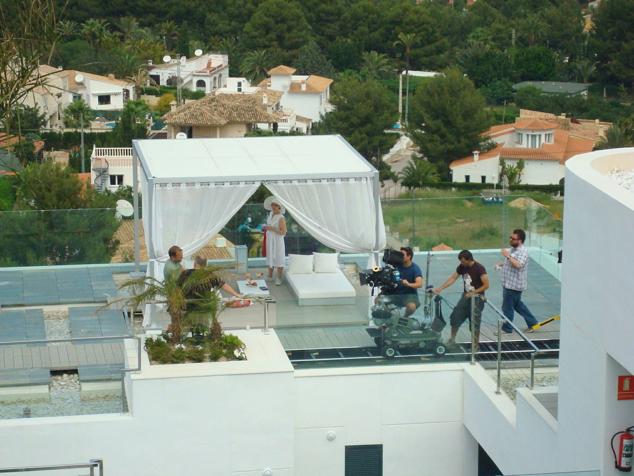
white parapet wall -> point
(244, 417)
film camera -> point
(385, 278)
(393, 330)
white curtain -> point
(187, 215)
(340, 213)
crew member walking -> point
(515, 281)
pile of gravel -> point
(624, 178)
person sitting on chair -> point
(406, 293)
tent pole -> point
(135, 199)
(376, 188)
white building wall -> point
(475, 170)
(536, 172)
(303, 104)
(240, 418)
(415, 412)
(96, 88)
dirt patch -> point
(524, 203)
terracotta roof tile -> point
(282, 70)
(221, 109)
(534, 124)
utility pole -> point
(81, 125)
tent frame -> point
(139, 159)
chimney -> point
(303, 86)
(172, 105)
(476, 155)
(110, 75)
(265, 99)
(149, 62)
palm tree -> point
(418, 173)
(192, 297)
(96, 33)
(67, 28)
(406, 40)
(168, 30)
(255, 65)
(375, 65)
(129, 27)
(584, 68)
(76, 112)
(140, 79)
(615, 137)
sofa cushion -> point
(326, 262)
(321, 285)
(300, 264)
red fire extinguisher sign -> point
(625, 389)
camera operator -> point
(406, 293)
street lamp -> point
(178, 61)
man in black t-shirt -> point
(475, 282)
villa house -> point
(206, 73)
(308, 96)
(542, 141)
(224, 115)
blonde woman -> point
(275, 230)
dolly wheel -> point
(440, 350)
(389, 352)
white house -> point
(308, 96)
(207, 72)
(61, 87)
(101, 93)
(542, 141)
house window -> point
(483, 178)
(103, 99)
(116, 180)
(155, 78)
(519, 138)
(239, 89)
(201, 85)
(364, 460)
(535, 141)
(76, 97)
(215, 82)
(549, 138)
(126, 95)
(467, 178)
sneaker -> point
(529, 330)
(504, 331)
(278, 282)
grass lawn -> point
(461, 219)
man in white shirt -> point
(515, 281)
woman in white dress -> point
(275, 230)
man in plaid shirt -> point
(515, 280)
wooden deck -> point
(61, 356)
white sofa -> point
(318, 280)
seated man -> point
(200, 263)
(406, 293)
(173, 268)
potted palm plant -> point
(193, 304)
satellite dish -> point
(167, 59)
(198, 52)
(181, 136)
(124, 209)
(79, 78)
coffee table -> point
(253, 290)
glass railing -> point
(97, 236)
(58, 237)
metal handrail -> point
(502, 318)
(499, 353)
(84, 339)
(92, 464)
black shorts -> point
(462, 312)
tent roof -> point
(250, 158)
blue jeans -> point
(511, 302)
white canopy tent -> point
(192, 187)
